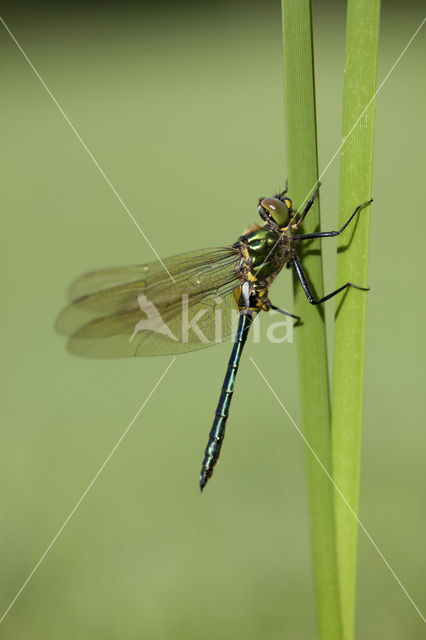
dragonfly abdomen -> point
(217, 432)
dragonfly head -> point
(275, 212)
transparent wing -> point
(140, 311)
(148, 274)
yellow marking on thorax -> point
(259, 306)
(250, 276)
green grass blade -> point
(301, 146)
(355, 188)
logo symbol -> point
(153, 320)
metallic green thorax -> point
(268, 251)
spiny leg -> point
(286, 313)
(282, 193)
(297, 224)
(308, 293)
(332, 234)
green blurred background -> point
(182, 106)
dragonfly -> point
(144, 310)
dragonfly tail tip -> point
(203, 481)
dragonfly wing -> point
(153, 272)
(153, 315)
(158, 331)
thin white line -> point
(95, 162)
(374, 96)
(84, 494)
(341, 495)
(345, 139)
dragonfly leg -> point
(286, 313)
(332, 234)
(282, 193)
(297, 224)
(308, 293)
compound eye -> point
(278, 210)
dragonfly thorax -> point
(263, 254)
